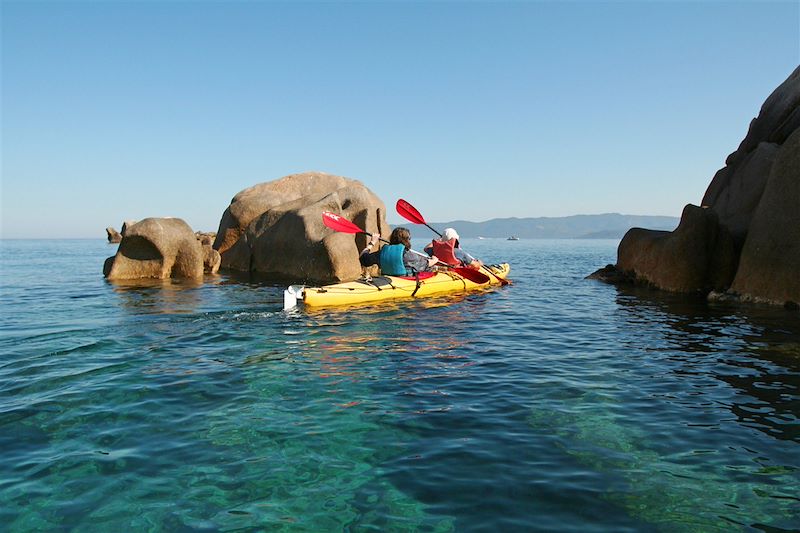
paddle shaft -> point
(433, 230)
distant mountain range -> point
(605, 226)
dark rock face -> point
(769, 267)
(697, 257)
(276, 228)
(745, 241)
(734, 192)
(778, 118)
(156, 248)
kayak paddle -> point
(339, 223)
(410, 213)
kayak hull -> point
(384, 288)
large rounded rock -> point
(769, 268)
(697, 257)
(156, 248)
(276, 228)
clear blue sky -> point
(115, 111)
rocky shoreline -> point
(741, 244)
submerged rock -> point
(610, 274)
(276, 228)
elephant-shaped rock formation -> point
(157, 248)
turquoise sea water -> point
(557, 403)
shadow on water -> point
(670, 425)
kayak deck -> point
(391, 287)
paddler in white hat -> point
(447, 249)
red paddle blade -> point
(409, 212)
(472, 275)
(338, 223)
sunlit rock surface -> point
(276, 228)
(157, 248)
(113, 235)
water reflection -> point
(408, 306)
(749, 349)
(774, 387)
(159, 296)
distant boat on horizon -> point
(513, 238)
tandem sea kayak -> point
(382, 288)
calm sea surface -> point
(556, 403)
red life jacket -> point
(445, 251)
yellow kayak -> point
(382, 288)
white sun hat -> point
(449, 234)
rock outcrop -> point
(698, 256)
(769, 267)
(205, 237)
(113, 235)
(211, 258)
(744, 243)
(276, 228)
(157, 248)
(126, 225)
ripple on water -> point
(554, 404)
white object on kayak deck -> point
(290, 296)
